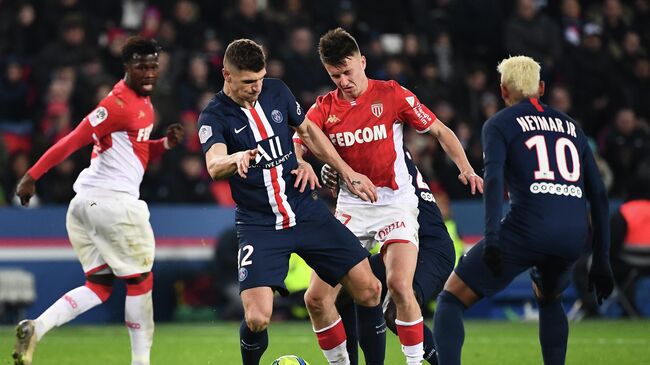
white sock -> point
(337, 355)
(67, 308)
(414, 354)
(138, 316)
(410, 332)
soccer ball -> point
(289, 360)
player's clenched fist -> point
(244, 160)
(175, 134)
(26, 189)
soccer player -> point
(244, 132)
(544, 159)
(107, 224)
(436, 258)
(364, 119)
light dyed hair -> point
(520, 73)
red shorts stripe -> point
(96, 269)
(140, 288)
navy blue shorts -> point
(324, 243)
(436, 259)
(550, 273)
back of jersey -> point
(542, 153)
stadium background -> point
(60, 57)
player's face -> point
(350, 77)
(244, 85)
(142, 73)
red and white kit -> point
(368, 134)
(108, 225)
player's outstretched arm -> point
(322, 148)
(221, 165)
(454, 149)
(79, 137)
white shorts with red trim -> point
(384, 224)
(111, 230)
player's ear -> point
(225, 73)
(363, 63)
(504, 92)
(542, 87)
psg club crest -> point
(377, 109)
(243, 274)
(276, 116)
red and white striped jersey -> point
(121, 125)
(368, 134)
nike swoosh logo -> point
(237, 130)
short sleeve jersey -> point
(122, 123)
(544, 159)
(266, 197)
(368, 134)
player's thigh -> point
(435, 264)
(551, 276)
(400, 260)
(330, 249)
(257, 303)
(263, 258)
(475, 274)
(122, 233)
(82, 243)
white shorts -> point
(384, 224)
(111, 230)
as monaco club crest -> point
(377, 109)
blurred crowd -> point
(60, 57)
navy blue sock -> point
(430, 354)
(252, 344)
(347, 311)
(553, 332)
(449, 332)
(372, 333)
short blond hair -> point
(520, 73)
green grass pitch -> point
(486, 343)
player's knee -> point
(369, 295)
(139, 285)
(102, 290)
(316, 302)
(257, 321)
(401, 290)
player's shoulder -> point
(326, 99)
(219, 108)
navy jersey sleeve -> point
(597, 196)
(494, 149)
(210, 130)
(296, 115)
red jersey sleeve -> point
(109, 116)
(410, 110)
(156, 147)
(79, 137)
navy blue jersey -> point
(550, 173)
(266, 197)
(429, 217)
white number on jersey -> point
(544, 171)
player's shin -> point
(430, 353)
(448, 331)
(70, 305)
(346, 308)
(252, 344)
(138, 316)
(332, 341)
(553, 331)
(372, 333)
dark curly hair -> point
(138, 45)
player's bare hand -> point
(361, 186)
(175, 134)
(26, 189)
(305, 175)
(329, 177)
(474, 181)
(244, 161)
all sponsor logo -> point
(377, 109)
(389, 228)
